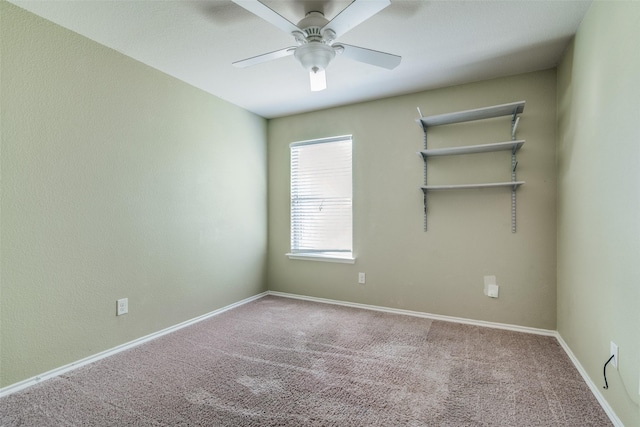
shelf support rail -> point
(514, 164)
(424, 172)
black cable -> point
(606, 385)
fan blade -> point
(355, 14)
(269, 15)
(265, 57)
(368, 56)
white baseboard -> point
(496, 325)
(547, 332)
(592, 386)
(94, 358)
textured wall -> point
(599, 199)
(117, 181)
(440, 271)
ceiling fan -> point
(316, 38)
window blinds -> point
(321, 191)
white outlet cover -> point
(361, 278)
(614, 352)
(488, 281)
(493, 291)
(122, 306)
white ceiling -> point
(442, 43)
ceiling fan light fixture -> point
(315, 57)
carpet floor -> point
(284, 362)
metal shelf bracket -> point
(515, 120)
(424, 173)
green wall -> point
(599, 199)
(469, 231)
(117, 181)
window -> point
(321, 187)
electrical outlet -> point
(614, 352)
(361, 278)
(489, 281)
(122, 306)
(493, 291)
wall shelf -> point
(512, 109)
(473, 149)
(476, 114)
(512, 184)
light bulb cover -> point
(314, 55)
(318, 80)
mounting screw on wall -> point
(122, 306)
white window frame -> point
(318, 253)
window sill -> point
(345, 259)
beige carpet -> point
(284, 362)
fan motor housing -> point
(312, 24)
